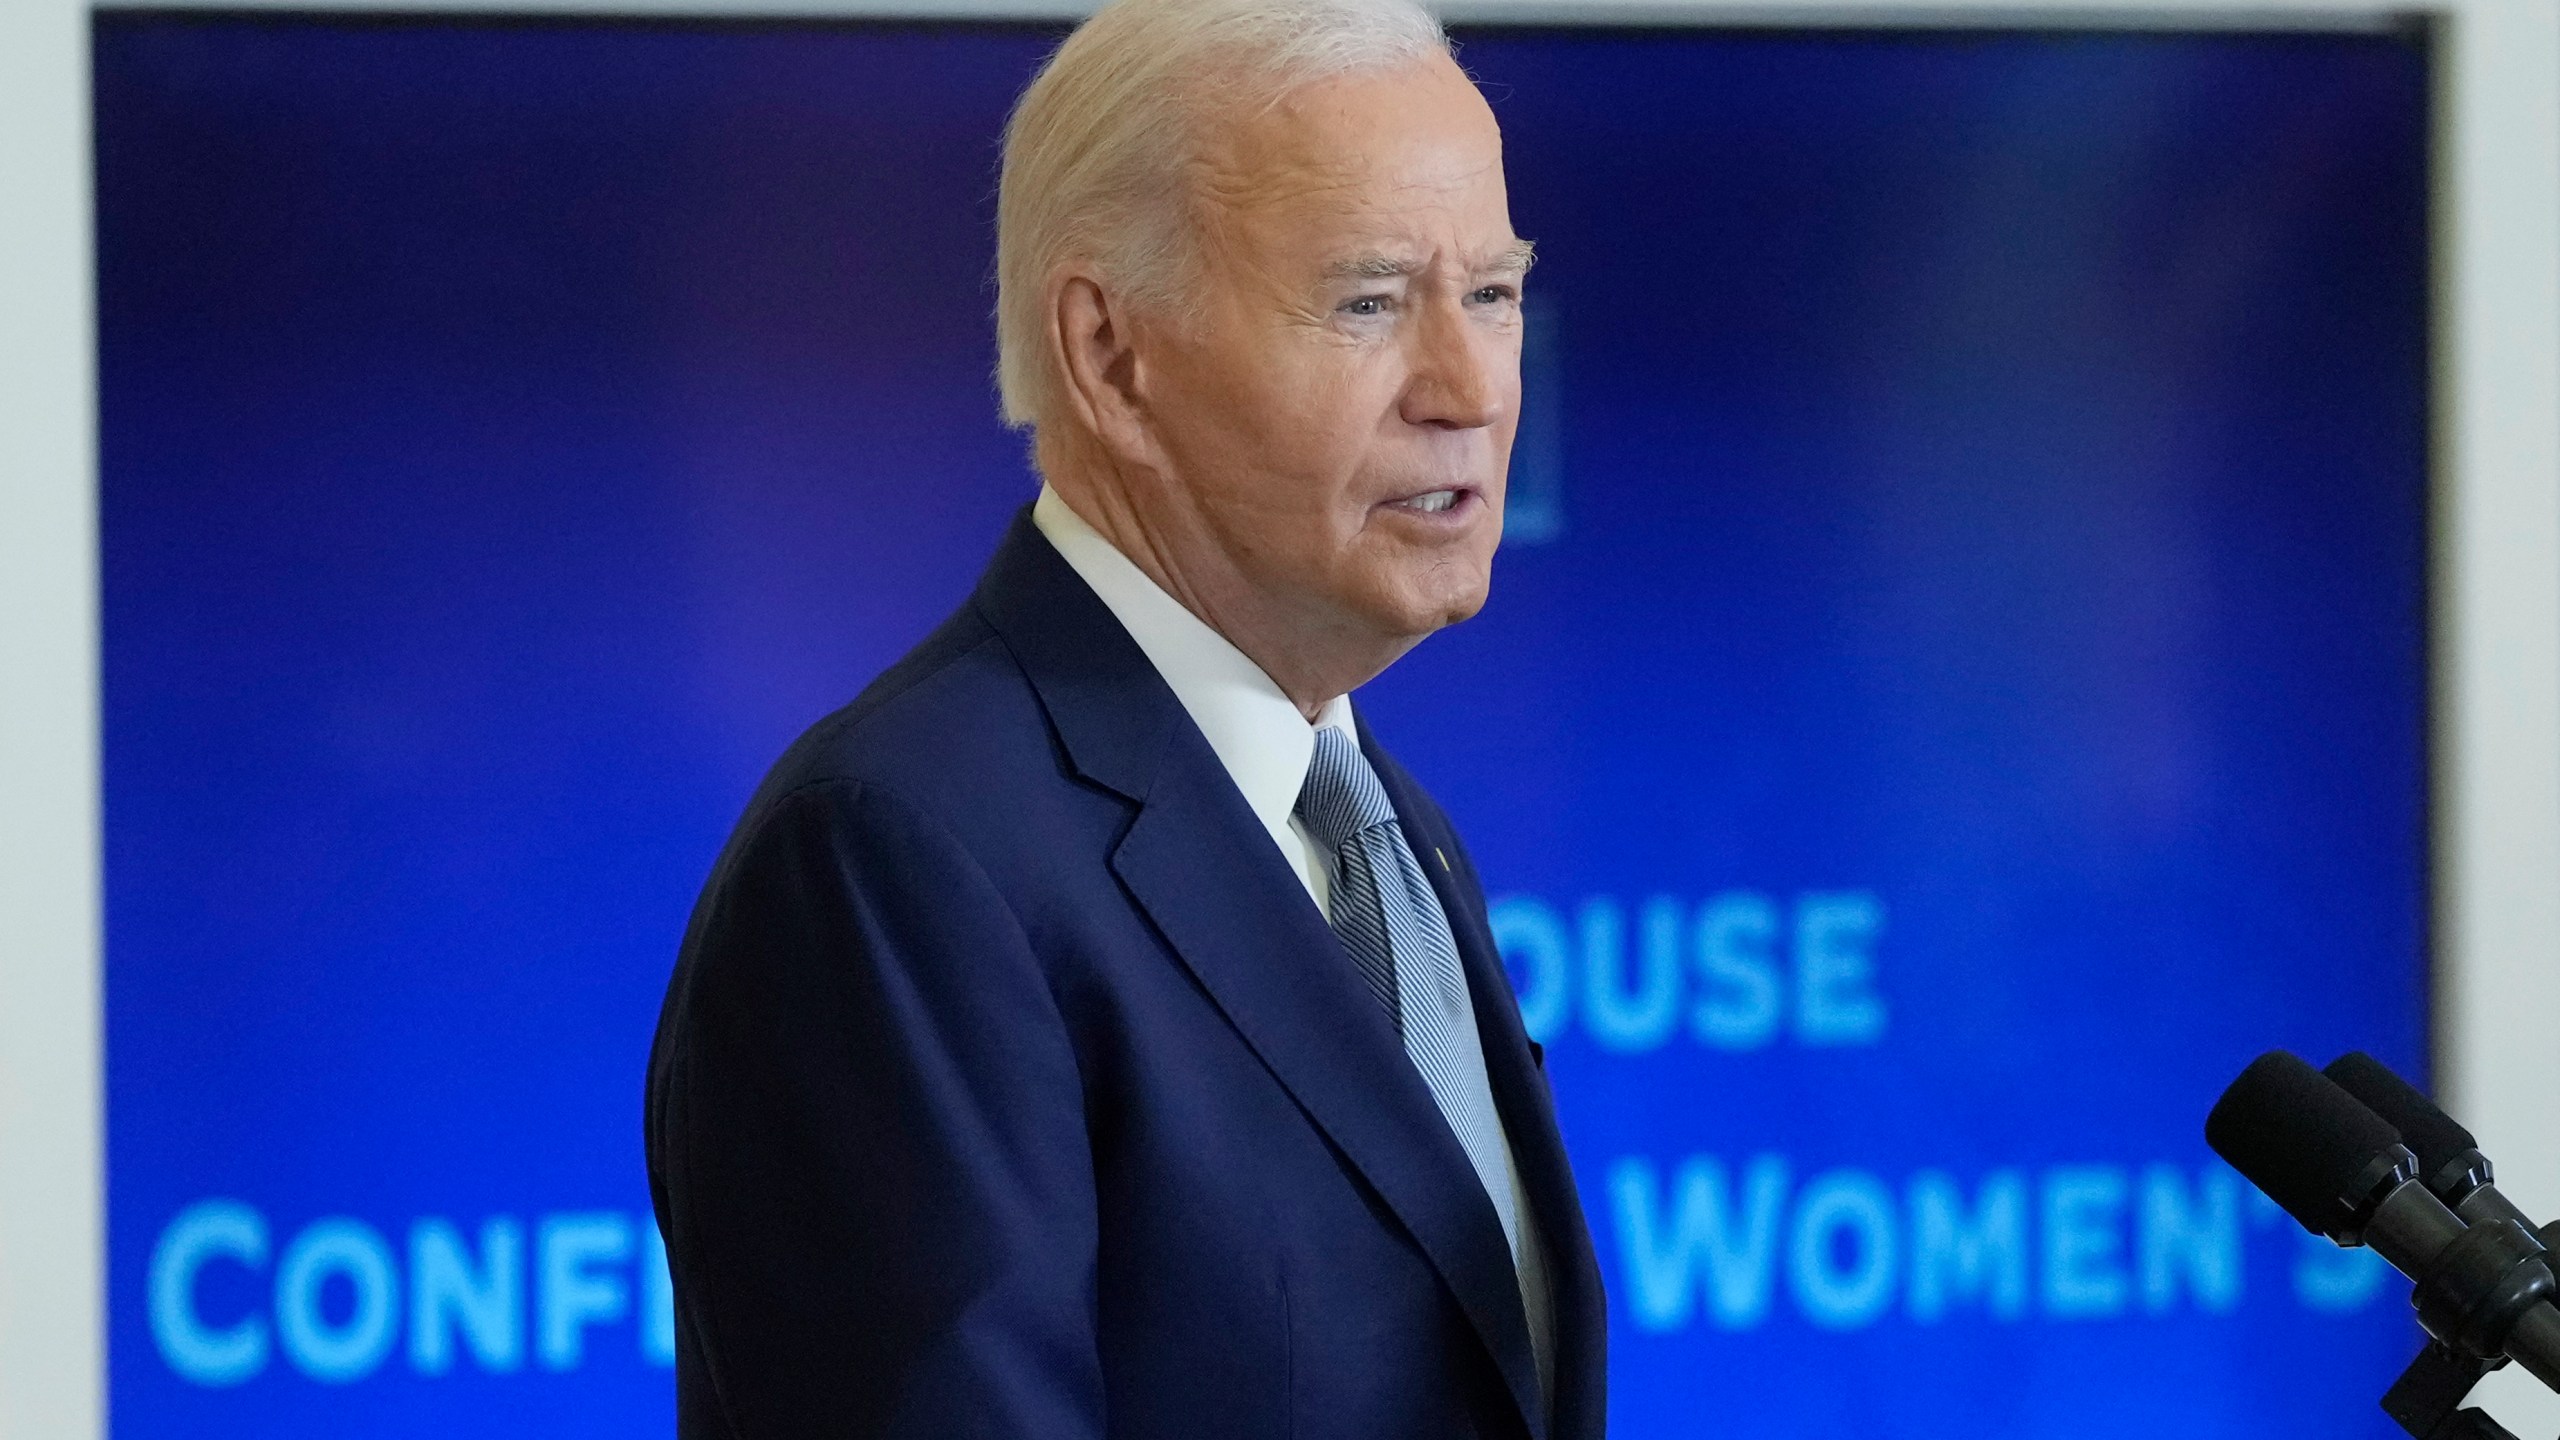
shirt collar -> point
(1256, 730)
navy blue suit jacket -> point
(1010, 1085)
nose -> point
(1464, 372)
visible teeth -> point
(1436, 500)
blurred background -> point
(1989, 637)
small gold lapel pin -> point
(1444, 858)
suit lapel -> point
(1528, 1114)
(1205, 873)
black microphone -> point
(2449, 1160)
(2340, 1170)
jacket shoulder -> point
(948, 728)
(1401, 783)
(1441, 832)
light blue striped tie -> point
(1391, 922)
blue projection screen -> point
(1953, 689)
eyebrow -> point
(1512, 259)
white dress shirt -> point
(1259, 733)
(1265, 742)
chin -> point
(1460, 606)
(1433, 601)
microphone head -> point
(2433, 1134)
(2309, 1145)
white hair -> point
(1095, 154)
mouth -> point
(1434, 502)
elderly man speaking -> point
(1090, 1031)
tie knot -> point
(1342, 796)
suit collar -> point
(1195, 861)
(1580, 1399)
(1252, 937)
(1112, 711)
(1257, 731)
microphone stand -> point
(2427, 1398)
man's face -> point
(1338, 407)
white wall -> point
(2497, 617)
(2497, 625)
(51, 1356)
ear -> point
(1092, 345)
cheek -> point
(1289, 427)
(1339, 387)
(1324, 427)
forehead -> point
(1384, 152)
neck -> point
(1311, 652)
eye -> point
(1494, 295)
(1365, 305)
